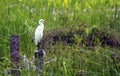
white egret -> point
(39, 32)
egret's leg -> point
(38, 45)
(40, 51)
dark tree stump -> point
(39, 61)
(14, 55)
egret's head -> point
(41, 21)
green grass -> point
(21, 17)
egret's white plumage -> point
(39, 31)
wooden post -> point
(39, 61)
(14, 55)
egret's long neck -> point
(41, 24)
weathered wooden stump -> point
(14, 55)
(39, 61)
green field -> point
(81, 37)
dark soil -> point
(92, 39)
